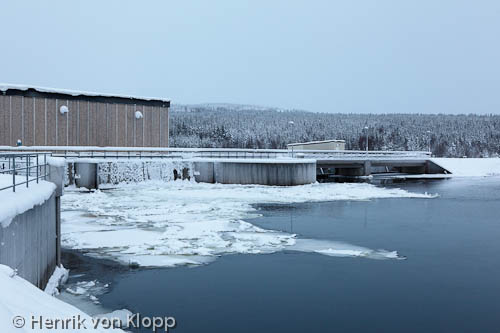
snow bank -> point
(59, 277)
(25, 198)
(21, 298)
(470, 167)
(188, 223)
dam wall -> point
(29, 243)
(93, 173)
(30, 227)
(262, 172)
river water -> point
(449, 281)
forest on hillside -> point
(239, 126)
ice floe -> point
(188, 223)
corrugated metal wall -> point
(38, 122)
(28, 244)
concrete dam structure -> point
(360, 167)
(29, 243)
(91, 166)
(287, 172)
(30, 223)
(262, 172)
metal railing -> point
(23, 169)
(360, 154)
(152, 152)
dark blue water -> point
(450, 281)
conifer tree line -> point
(237, 126)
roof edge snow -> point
(34, 91)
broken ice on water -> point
(187, 223)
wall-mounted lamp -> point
(63, 109)
(138, 115)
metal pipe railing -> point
(91, 149)
(153, 152)
(22, 166)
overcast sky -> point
(329, 56)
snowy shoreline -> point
(470, 167)
(22, 304)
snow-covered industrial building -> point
(318, 145)
(35, 116)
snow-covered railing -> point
(372, 154)
(153, 152)
(24, 168)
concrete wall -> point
(86, 175)
(37, 121)
(29, 243)
(433, 168)
(275, 173)
(91, 175)
(204, 172)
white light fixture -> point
(138, 115)
(63, 109)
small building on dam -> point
(318, 145)
(35, 116)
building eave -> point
(45, 92)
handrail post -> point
(14, 173)
(27, 169)
(37, 168)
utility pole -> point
(429, 140)
(366, 128)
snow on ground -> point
(20, 300)
(470, 167)
(25, 198)
(184, 222)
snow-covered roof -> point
(5, 87)
(313, 142)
